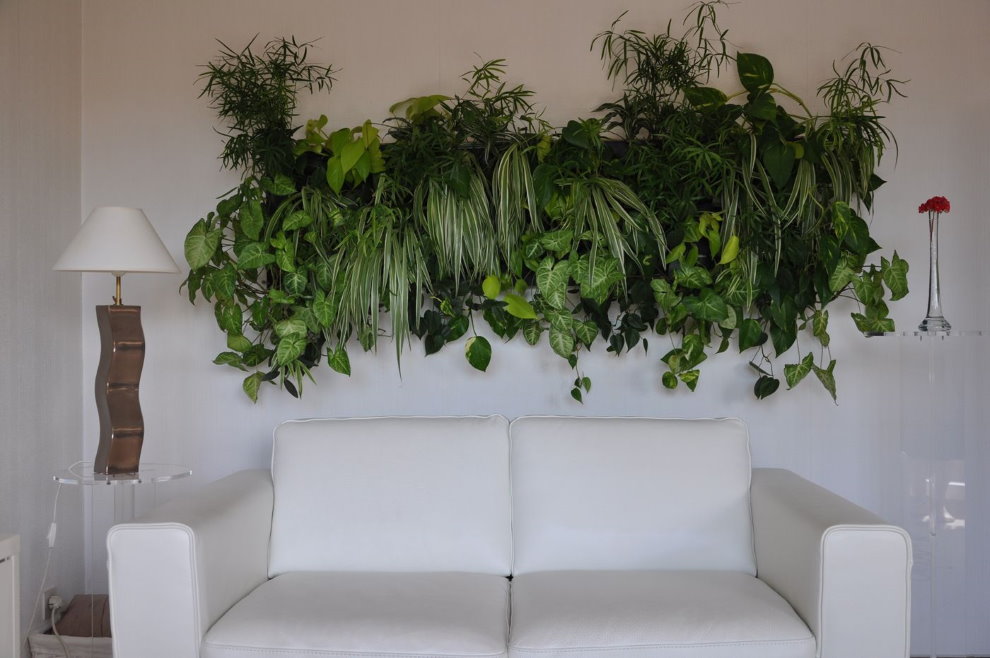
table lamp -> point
(118, 240)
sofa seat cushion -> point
(308, 614)
(659, 614)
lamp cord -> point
(52, 529)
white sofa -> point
(544, 537)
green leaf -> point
(228, 206)
(707, 306)
(297, 220)
(868, 288)
(586, 332)
(518, 307)
(873, 322)
(253, 255)
(222, 281)
(251, 384)
(229, 316)
(841, 276)
(305, 313)
(289, 348)
(200, 245)
(778, 158)
(295, 283)
(560, 320)
(551, 279)
(335, 175)
(576, 394)
(285, 257)
(580, 134)
(238, 343)
(669, 380)
(324, 275)
(280, 297)
(478, 352)
(692, 276)
(690, 378)
(795, 372)
(705, 98)
(750, 334)
(783, 337)
(532, 331)
(819, 327)
(827, 377)
(730, 250)
(596, 283)
(252, 218)
(765, 386)
(842, 216)
(561, 342)
(282, 185)
(557, 241)
(895, 276)
(229, 359)
(257, 355)
(339, 361)
(350, 154)
(293, 327)
(418, 105)
(458, 327)
(491, 286)
(762, 106)
(755, 71)
(664, 293)
(323, 309)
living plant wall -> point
(721, 221)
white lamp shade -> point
(116, 239)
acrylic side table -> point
(124, 487)
(81, 473)
(942, 402)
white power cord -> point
(52, 529)
(56, 604)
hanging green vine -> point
(716, 220)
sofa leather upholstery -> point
(703, 614)
(391, 494)
(829, 557)
(629, 493)
(302, 614)
(458, 537)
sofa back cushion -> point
(630, 493)
(391, 494)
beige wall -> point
(148, 141)
(40, 373)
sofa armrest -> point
(175, 571)
(842, 569)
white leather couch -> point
(544, 537)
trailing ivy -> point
(715, 220)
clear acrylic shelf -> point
(917, 333)
(81, 473)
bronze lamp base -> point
(117, 379)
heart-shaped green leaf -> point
(201, 244)
(755, 71)
(478, 352)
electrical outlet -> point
(49, 593)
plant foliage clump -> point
(713, 219)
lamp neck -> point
(116, 297)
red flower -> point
(937, 204)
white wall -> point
(148, 141)
(40, 366)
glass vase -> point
(934, 321)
